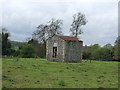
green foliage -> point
(0, 44)
(6, 45)
(98, 53)
(61, 83)
(39, 73)
(40, 48)
(27, 51)
(94, 51)
(117, 49)
(86, 52)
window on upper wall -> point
(55, 44)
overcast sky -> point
(22, 18)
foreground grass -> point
(39, 73)
(0, 73)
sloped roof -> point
(69, 38)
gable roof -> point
(69, 38)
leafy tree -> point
(27, 51)
(39, 48)
(6, 45)
(78, 20)
(87, 52)
(16, 53)
(102, 53)
(0, 44)
(117, 49)
(109, 52)
(98, 53)
(94, 51)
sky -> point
(21, 18)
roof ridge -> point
(68, 38)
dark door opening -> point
(54, 52)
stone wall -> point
(73, 51)
(67, 51)
(49, 49)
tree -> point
(43, 32)
(109, 52)
(0, 44)
(104, 53)
(78, 20)
(27, 51)
(54, 27)
(94, 51)
(117, 49)
(87, 52)
(39, 48)
(6, 45)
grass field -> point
(39, 73)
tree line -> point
(36, 46)
(107, 52)
(33, 48)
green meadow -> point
(39, 73)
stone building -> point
(64, 49)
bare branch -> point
(43, 32)
(78, 20)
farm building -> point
(64, 49)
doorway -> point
(54, 52)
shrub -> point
(61, 83)
(27, 51)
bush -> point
(27, 51)
(62, 83)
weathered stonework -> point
(73, 51)
(67, 50)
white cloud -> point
(21, 18)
